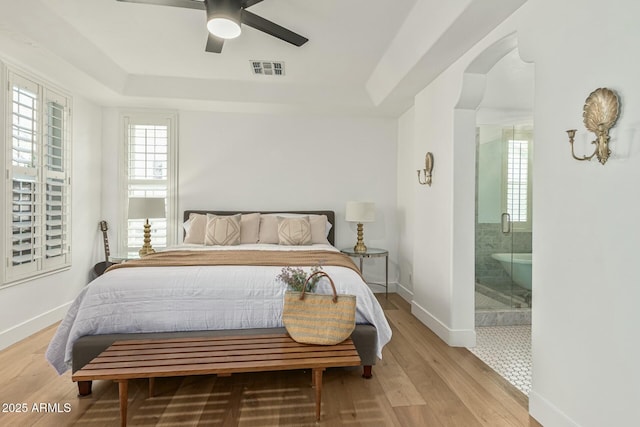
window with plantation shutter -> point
(517, 183)
(150, 164)
(517, 180)
(38, 180)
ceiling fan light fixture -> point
(223, 18)
(224, 27)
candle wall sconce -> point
(600, 113)
(428, 169)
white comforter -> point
(163, 299)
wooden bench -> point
(223, 355)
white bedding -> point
(164, 299)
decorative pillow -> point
(195, 227)
(249, 228)
(320, 227)
(294, 231)
(222, 230)
(268, 229)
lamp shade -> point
(360, 212)
(146, 207)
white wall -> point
(433, 235)
(235, 161)
(407, 179)
(586, 233)
(26, 308)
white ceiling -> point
(118, 52)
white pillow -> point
(249, 228)
(195, 227)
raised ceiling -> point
(119, 52)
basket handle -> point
(320, 273)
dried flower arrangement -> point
(295, 278)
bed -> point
(197, 289)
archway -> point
(474, 94)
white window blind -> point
(38, 179)
(518, 180)
(150, 173)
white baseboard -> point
(453, 337)
(29, 327)
(405, 293)
(378, 288)
(546, 413)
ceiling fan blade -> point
(271, 28)
(189, 4)
(249, 3)
(214, 44)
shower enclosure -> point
(503, 224)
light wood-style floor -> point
(420, 382)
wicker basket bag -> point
(319, 319)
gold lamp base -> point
(360, 246)
(146, 248)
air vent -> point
(267, 68)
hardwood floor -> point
(420, 382)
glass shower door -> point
(518, 206)
(497, 203)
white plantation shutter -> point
(57, 200)
(25, 241)
(25, 246)
(37, 180)
(517, 179)
(518, 191)
(150, 142)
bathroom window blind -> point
(37, 179)
(518, 180)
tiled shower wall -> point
(489, 240)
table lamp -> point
(145, 208)
(360, 212)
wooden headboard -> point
(331, 217)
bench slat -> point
(261, 337)
(146, 349)
(111, 357)
(212, 357)
(125, 345)
(214, 368)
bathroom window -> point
(517, 195)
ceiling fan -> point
(224, 18)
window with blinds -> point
(38, 179)
(149, 163)
(517, 180)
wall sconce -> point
(601, 110)
(428, 168)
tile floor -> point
(507, 350)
